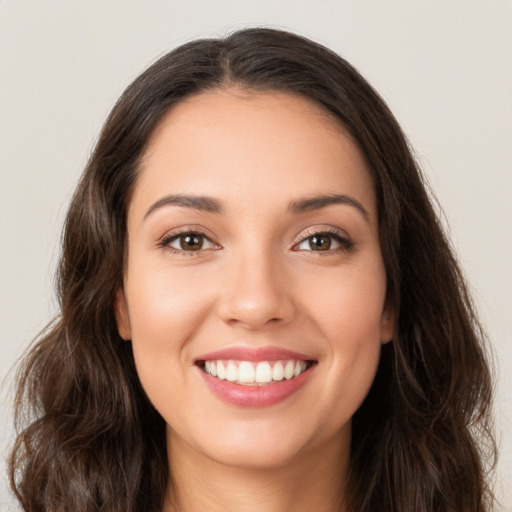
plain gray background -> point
(444, 67)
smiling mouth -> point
(251, 373)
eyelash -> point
(165, 242)
(345, 244)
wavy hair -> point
(89, 439)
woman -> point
(259, 308)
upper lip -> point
(254, 354)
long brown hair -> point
(88, 437)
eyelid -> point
(175, 234)
(340, 236)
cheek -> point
(165, 312)
(348, 303)
(165, 304)
(347, 310)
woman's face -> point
(254, 291)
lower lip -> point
(255, 396)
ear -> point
(387, 323)
(122, 317)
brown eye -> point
(320, 242)
(188, 242)
(191, 242)
(328, 242)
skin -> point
(256, 282)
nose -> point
(255, 296)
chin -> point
(256, 456)
(268, 444)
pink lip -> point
(254, 354)
(255, 396)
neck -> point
(311, 481)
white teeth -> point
(263, 372)
(247, 372)
(221, 372)
(278, 371)
(288, 371)
(232, 372)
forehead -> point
(252, 146)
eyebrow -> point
(201, 203)
(317, 202)
(212, 205)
